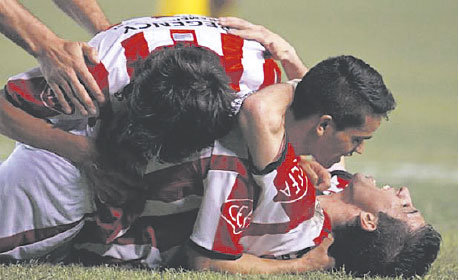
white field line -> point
(408, 172)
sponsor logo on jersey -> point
(237, 213)
(291, 182)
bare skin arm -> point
(62, 62)
(86, 13)
(20, 126)
(280, 49)
(261, 120)
(316, 259)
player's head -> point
(178, 102)
(388, 237)
(348, 98)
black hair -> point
(390, 250)
(178, 102)
(344, 87)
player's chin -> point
(330, 162)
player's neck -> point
(337, 209)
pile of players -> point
(199, 157)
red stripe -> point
(232, 58)
(229, 163)
(272, 73)
(135, 47)
(34, 97)
(235, 218)
(326, 230)
(29, 90)
(100, 74)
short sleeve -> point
(226, 209)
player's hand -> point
(318, 258)
(275, 44)
(319, 176)
(63, 66)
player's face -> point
(337, 143)
(363, 193)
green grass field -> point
(412, 43)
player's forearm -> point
(87, 13)
(293, 66)
(20, 126)
(24, 29)
(250, 264)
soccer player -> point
(223, 165)
(211, 203)
(48, 165)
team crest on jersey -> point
(291, 182)
(238, 213)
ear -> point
(368, 221)
(323, 124)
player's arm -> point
(21, 126)
(279, 48)
(316, 259)
(62, 62)
(261, 120)
(86, 13)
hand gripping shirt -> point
(119, 46)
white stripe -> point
(295, 240)
(268, 211)
(150, 256)
(159, 208)
(115, 63)
(158, 38)
(217, 187)
(252, 61)
(211, 39)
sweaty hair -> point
(178, 102)
(345, 88)
(391, 250)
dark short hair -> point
(178, 102)
(391, 250)
(344, 87)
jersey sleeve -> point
(30, 92)
(226, 209)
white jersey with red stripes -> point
(210, 198)
(118, 47)
(213, 199)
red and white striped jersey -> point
(213, 199)
(119, 46)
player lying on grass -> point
(149, 253)
(234, 218)
(228, 231)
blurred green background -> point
(412, 43)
